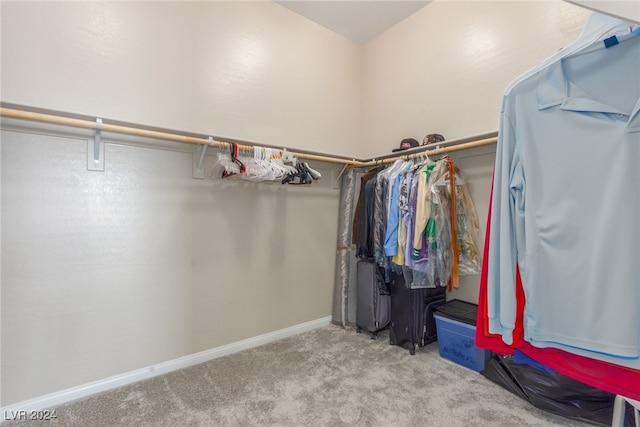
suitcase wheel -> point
(359, 330)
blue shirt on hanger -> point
(566, 206)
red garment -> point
(605, 376)
(483, 338)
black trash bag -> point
(554, 392)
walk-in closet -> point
(187, 212)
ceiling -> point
(357, 20)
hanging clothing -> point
(387, 226)
(403, 208)
(380, 219)
(359, 217)
(561, 222)
(605, 376)
(468, 231)
(364, 243)
(393, 209)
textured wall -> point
(108, 272)
(443, 69)
(251, 70)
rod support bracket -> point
(95, 149)
(336, 181)
(198, 159)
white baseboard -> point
(53, 400)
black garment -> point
(359, 211)
(364, 244)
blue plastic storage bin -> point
(456, 342)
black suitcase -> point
(434, 298)
(412, 322)
(372, 298)
(400, 328)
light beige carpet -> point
(325, 377)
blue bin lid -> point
(459, 310)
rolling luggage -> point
(412, 322)
(372, 294)
(401, 329)
(434, 298)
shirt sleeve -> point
(393, 220)
(506, 210)
(423, 211)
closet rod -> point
(127, 130)
(433, 152)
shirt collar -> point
(554, 89)
(551, 86)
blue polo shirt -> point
(566, 206)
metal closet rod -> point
(128, 130)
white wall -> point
(109, 272)
(443, 69)
(250, 70)
(106, 272)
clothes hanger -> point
(302, 177)
(226, 174)
(276, 163)
(422, 161)
(305, 174)
(254, 170)
(598, 27)
(394, 167)
(300, 174)
(287, 157)
(263, 170)
(444, 179)
(225, 160)
(314, 174)
(608, 42)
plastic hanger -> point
(227, 174)
(608, 42)
(254, 170)
(301, 177)
(598, 27)
(444, 179)
(421, 162)
(287, 157)
(314, 174)
(225, 160)
(277, 162)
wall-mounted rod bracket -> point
(336, 182)
(95, 149)
(198, 159)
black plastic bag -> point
(554, 392)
